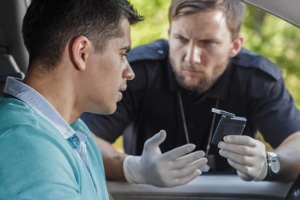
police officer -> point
(178, 82)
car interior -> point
(14, 62)
(13, 54)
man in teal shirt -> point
(77, 64)
(37, 158)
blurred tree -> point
(277, 40)
(156, 22)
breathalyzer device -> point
(229, 124)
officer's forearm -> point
(289, 156)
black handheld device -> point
(229, 124)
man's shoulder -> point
(249, 59)
(157, 50)
(14, 111)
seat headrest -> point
(10, 67)
(11, 40)
(13, 53)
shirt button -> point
(74, 140)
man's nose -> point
(193, 55)
(128, 73)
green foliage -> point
(155, 25)
(277, 40)
(264, 34)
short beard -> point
(203, 84)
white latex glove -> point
(173, 168)
(247, 155)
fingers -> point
(240, 139)
(243, 156)
(185, 174)
(190, 168)
(185, 166)
(227, 150)
(175, 167)
(247, 155)
(186, 179)
(152, 143)
(242, 145)
(238, 158)
(179, 152)
(240, 167)
(185, 160)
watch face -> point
(275, 166)
(273, 162)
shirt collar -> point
(15, 87)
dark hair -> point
(234, 11)
(49, 25)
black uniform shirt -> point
(251, 87)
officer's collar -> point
(220, 90)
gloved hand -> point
(247, 155)
(175, 167)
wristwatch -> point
(273, 165)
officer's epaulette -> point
(157, 50)
(246, 58)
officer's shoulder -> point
(157, 50)
(249, 59)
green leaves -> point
(277, 40)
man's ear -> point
(79, 49)
(236, 46)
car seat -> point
(13, 54)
